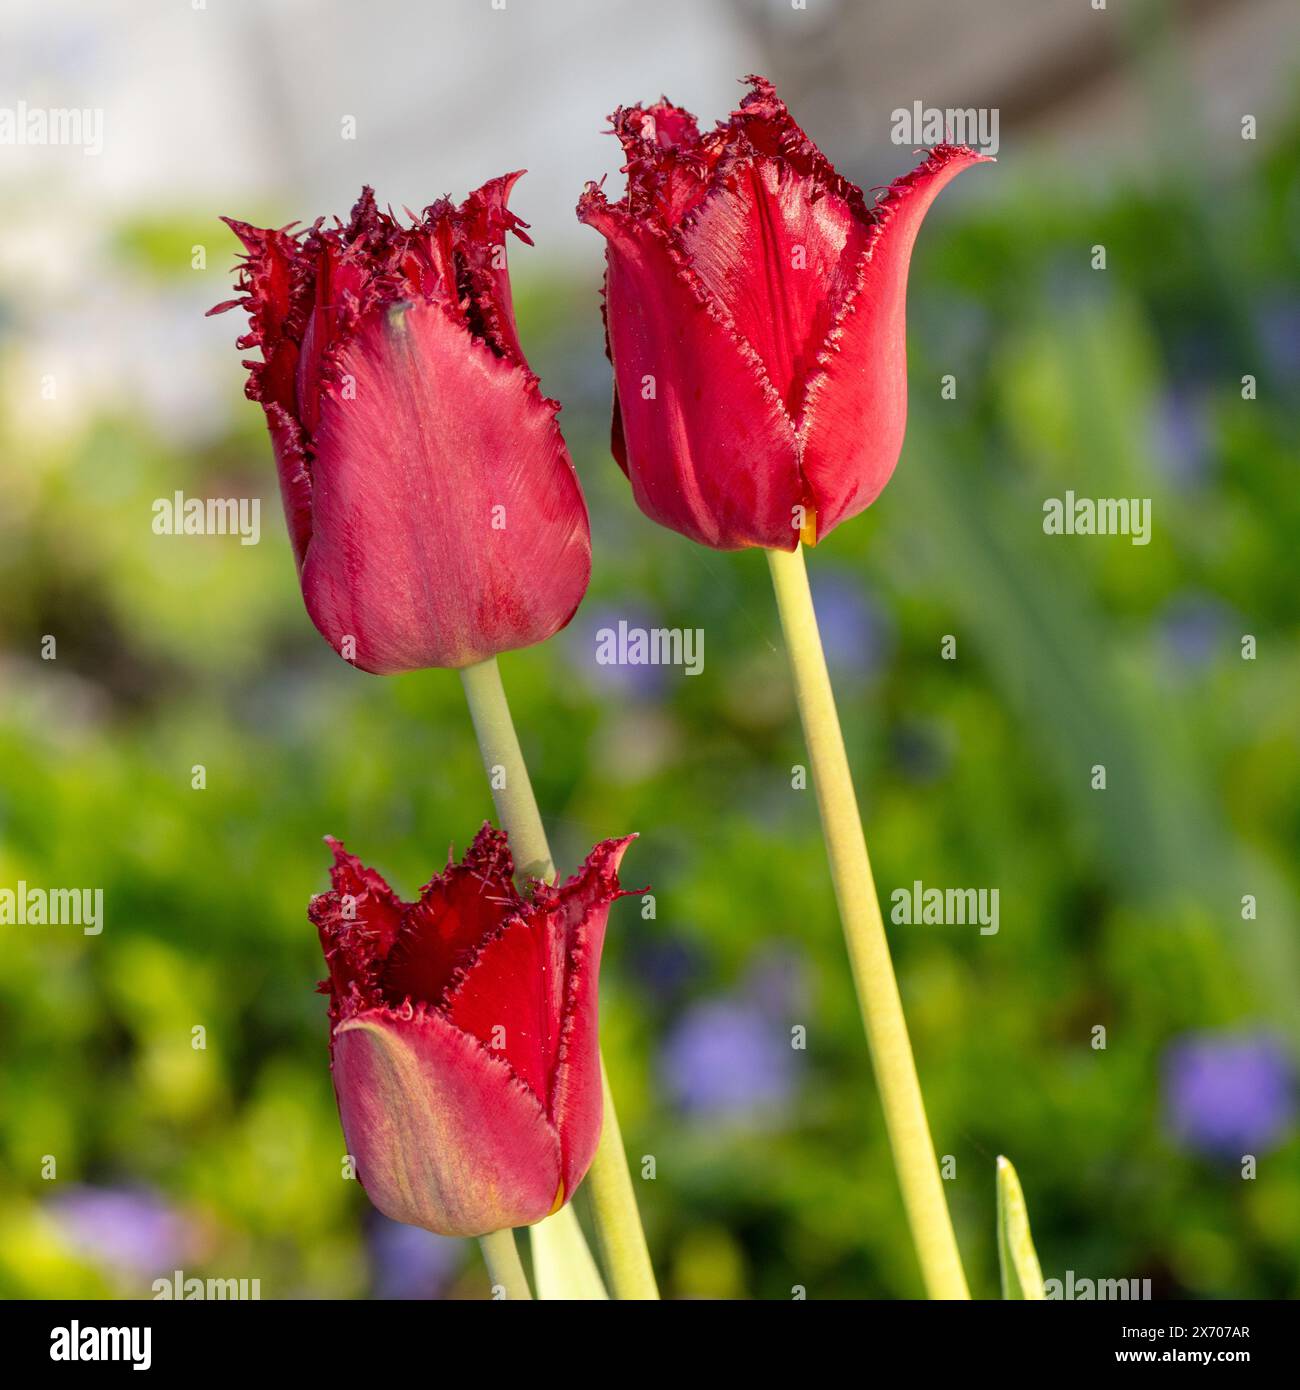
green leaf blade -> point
(1022, 1277)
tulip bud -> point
(463, 1035)
(434, 511)
(754, 315)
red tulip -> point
(463, 1035)
(754, 312)
(435, 514)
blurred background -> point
(1120, 127)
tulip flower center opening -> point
(472, 948)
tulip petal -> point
(275, 284)
(781, 261)
(578, 913)
(778, 238)
(295, 477)
(457, 911)
(710, 447)
(511, 996)
(482, 222)
(668, 162)
(444, 1135)
(855, 408)
(358, 921)
(447, 520)
(531, 991)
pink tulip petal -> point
(510, 997)
(445, 1137)
(710, 448)
(447, 521)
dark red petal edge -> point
(600, 865)
(665, 150)
(767, 127)
(357, 921)
(445, 256)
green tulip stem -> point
(505, 1269)
(864, 933)
(614, 1209)
(618, 1222)
(503, 759)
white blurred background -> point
(240, 107)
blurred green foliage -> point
(1118, 908)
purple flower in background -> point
(1278, 323)
(922, 751)
(1182, 437)
(129, 1231)
(726, 1059)
(1193, 628)
(854, 631)
(664, 966)
(408, 1262)
(595, 633)
(1229, 1094)
(777, 983)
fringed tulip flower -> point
(754, 312)
(463, 1035)
(434, 511)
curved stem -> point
(501, 1255)
(864, 933)
(618, 1223)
